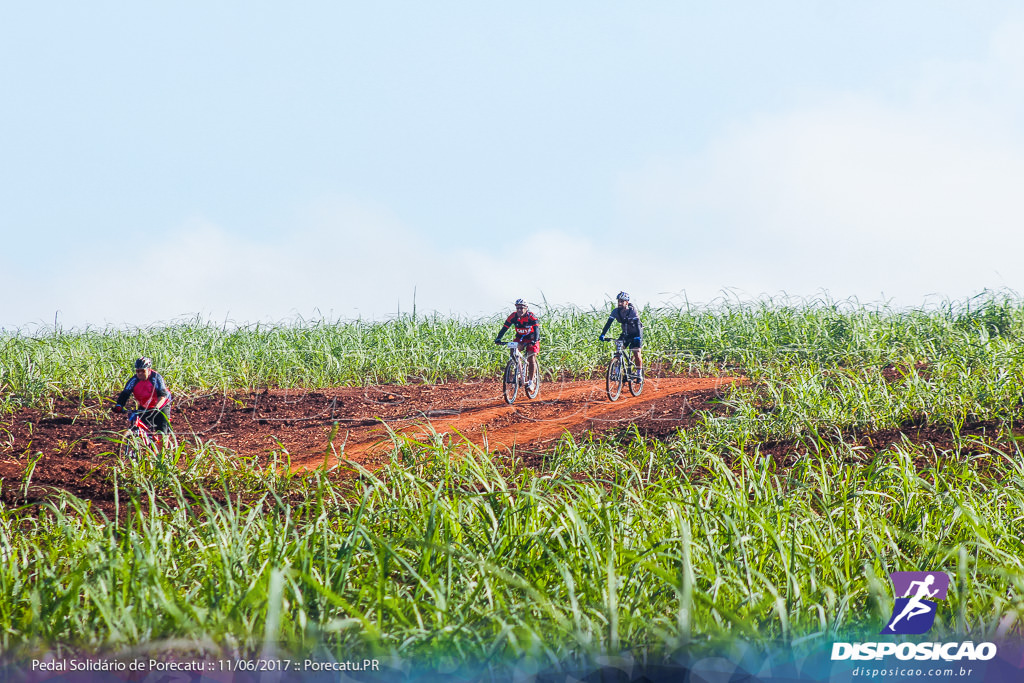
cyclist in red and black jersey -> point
(150, 391)
(527, 329)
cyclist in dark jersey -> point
(632, 333)
(527, 329)
(150, 391)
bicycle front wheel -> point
(614, 379)
(131, 445)
(510, 381)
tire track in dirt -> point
(71, 445)
(566, 407)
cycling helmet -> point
(143, 363)
(622, 296)
(521, 302)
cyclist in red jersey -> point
(527, 329)
(150, 391)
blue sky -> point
(258, 162)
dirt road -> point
(76, 441)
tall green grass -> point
(627, 544)
(446, 557)
(759, 338)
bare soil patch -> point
(74, 443)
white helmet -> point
(622, 296)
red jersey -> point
(527, 327)
(147, 392)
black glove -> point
(600, 337)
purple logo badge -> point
(913, 612)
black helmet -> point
(144, 363)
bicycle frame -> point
(622, 370)
(138, 426)
(514, 375)
(139, 434)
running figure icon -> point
(914, 606)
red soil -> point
(76, 441)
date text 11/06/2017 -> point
(102, 664)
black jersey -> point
(629, 319)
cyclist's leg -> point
(531, 361)
(638, 360)
(148, 417)
(161, 425)
(526, 348)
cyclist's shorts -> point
(157, 420)
(631, 343)
(529, 348)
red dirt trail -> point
(76, 441)
(568, 407)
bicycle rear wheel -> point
(614, 379)
(169, 441)
(510, 381)
(636, 385)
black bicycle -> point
(515, 376)
(622, 370)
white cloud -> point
(860, 194)
(339, 259)
(857, 195)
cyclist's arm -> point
(608, 324)
(126, 393)
(534, 335)
(160, 389)
(501, 333)
(164, 400)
